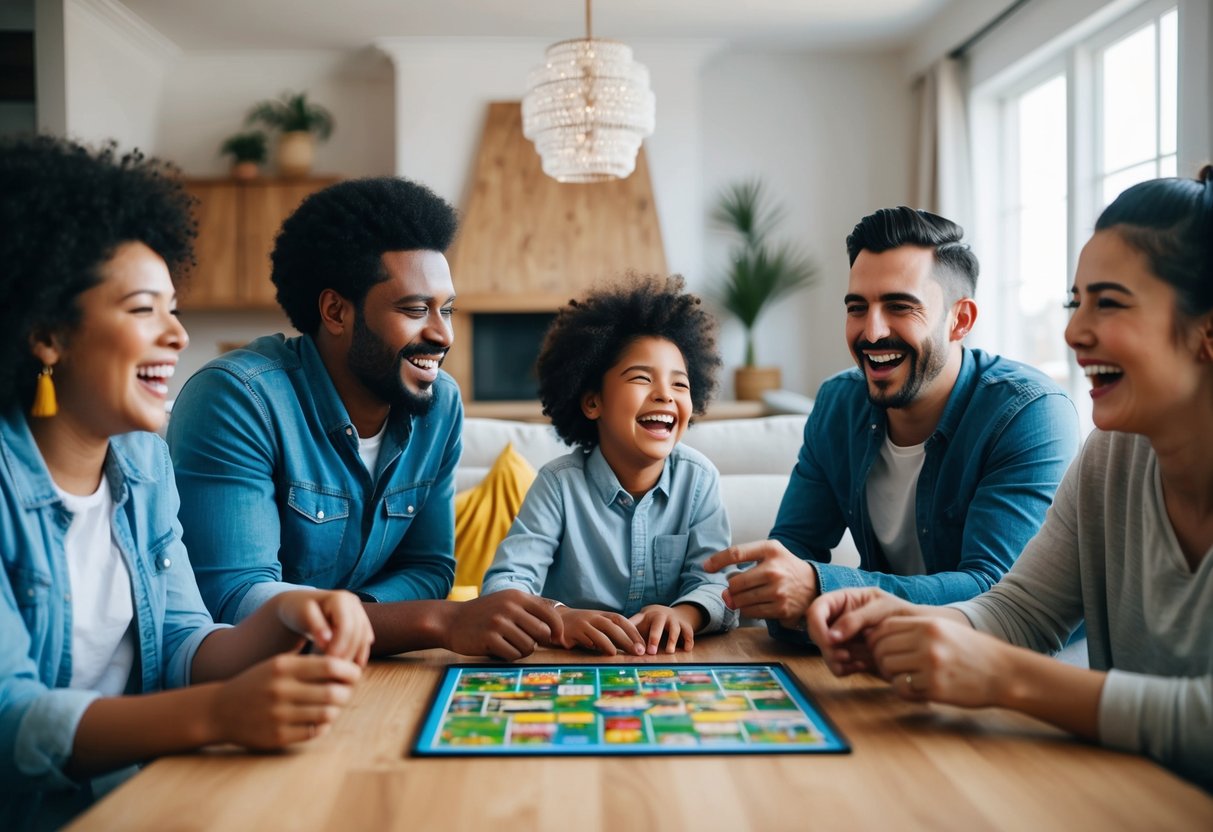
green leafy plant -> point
(290, 112)
(246, 147)
(760, 271)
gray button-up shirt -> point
(581, 539)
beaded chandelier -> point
(587, 108)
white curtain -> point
(943, 180)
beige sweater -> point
(1107, 553)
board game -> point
(578, 709)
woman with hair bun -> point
(1128, 542)
(109, 656)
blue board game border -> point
(427, 744)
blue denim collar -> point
(31, 479)
(600, 475)
(334, 416)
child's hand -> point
(677, 623)
(334, 621)
(600, 631)
(282, 700)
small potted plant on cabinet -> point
(299, 123)
(248, 152)
(759, 273)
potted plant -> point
(759, 273)
(299, 124)
(248, 150)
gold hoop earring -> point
(45, 404)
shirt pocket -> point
(401, 506)
(669, 552)
(33, 591)
(313, 530)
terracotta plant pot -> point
(751, 382)
(296, 152)
(245, 170)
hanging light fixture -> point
(588, 108)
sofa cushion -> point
(483, 515)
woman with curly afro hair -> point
(615, 533)
(97, 598)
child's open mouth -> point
(658, 424)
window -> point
(1072, 133)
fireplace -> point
(504, 348)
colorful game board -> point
(496, 709)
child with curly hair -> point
(616, 532)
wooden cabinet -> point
(237, 223)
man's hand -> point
(677, 623)
(333, 620)
(603, 632)
(779, 586)
(508, 625)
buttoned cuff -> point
(506, 583)
(720, 617)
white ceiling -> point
(347, 24)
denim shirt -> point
(581, 539)
(39, 713)
(1006, 437)
(274, 495)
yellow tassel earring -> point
(45, 404)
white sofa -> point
(754, 457)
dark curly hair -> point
(64, 210)
(334, 240)
(589, 335)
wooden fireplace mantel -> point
(528, 243)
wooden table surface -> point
(913, 766)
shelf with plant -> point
(299, 124)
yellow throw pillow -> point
(483, 515)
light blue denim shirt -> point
(274, 495)
(1002, 445)
(581, 539)
(39, 713)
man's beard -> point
(924, 368)
(378, 368)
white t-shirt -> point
(368, 449)
(103, 635)
(892, 488)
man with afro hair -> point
(327, 460)
(615, 533)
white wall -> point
(443, 87)
(830, 136)
(207, 95)
(114, 70)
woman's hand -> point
(282, 700)
(940, 660)
(333, 620)
(677, 623)
(604, 632)
(838, 622)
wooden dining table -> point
(912, 766)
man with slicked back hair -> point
(940, 459)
